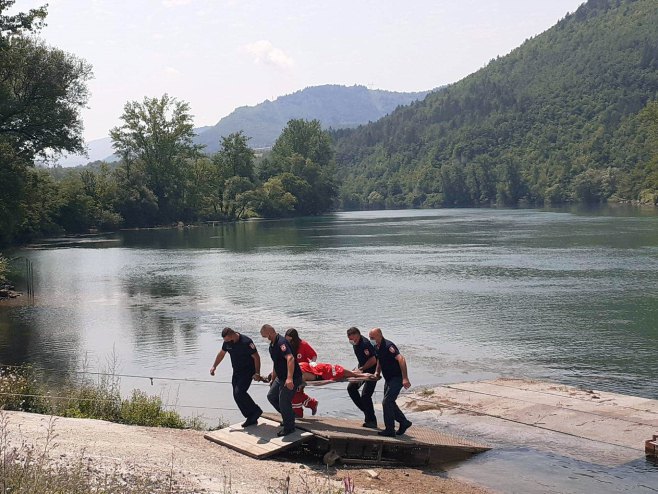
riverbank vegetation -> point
(162, 178)
(569, 116)
(21, 389)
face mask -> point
(353, 343)
(373, 342)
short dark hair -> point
(353, 330)
(227, 332)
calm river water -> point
(569, 296)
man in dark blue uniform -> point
(365, 354)
(246, 366)
(286, 377)
(393, 366)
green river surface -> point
(467, 294)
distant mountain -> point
(569, 116)
(333, 105)
(98, 149)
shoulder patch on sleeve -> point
(283, 347)
(366, 352)
(392, 349)
(252, 346)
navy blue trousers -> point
(392, 412)
(281, 399)
(247, 406)
(363, 400)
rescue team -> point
(294, 363)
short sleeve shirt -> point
(241, 355)
(387, 353)
(279, 348)
(305, 352)
(363, 351)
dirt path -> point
(198, 464)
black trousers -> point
(247, 406)
(363, 400)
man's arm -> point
(378, 371)
(290, 360)
(369, 363)
(403, 367)
(256, 358)
(218, 360)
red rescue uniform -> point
(324, 372)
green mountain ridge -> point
(570, 115)
(335, 106)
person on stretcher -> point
(320, 371)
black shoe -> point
(285, 432)
(370, 424)
(403, 428)
(252, 420)
(387, 433)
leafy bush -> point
(142, 409)
(20, 390)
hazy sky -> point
(221, 54)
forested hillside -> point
(333, 105)
(571, 115)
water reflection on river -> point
(467, 294)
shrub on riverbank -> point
(4, 268)
(20, 390)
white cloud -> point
(171, 72)
(263, 51)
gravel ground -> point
(200, 465)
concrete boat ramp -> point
(346, 441)
(594, 426)
(598, 427)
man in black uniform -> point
(286, 378)
(246, 366)
(365, 354)
(394, 367)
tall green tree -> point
(42, 91)
(21, 22)
(233, 177)
(304, 158)
(155, 145)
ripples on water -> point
(467, 294)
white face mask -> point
(373, 342)
(353, 343)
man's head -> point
(229, 335)
(354, 335)
(267, 331)
(375, 335)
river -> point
(467, 294)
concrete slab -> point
(600, 427)
(258, 441)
